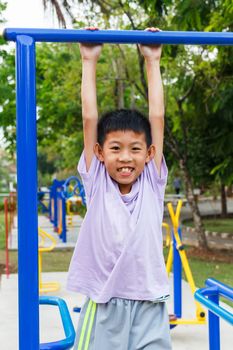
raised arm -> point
(152, 54)
(89, 54)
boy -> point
(118, 261)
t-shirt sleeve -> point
(88, 177)
(158, 183)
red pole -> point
(6, 231)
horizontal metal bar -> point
(121, 36)
(216, 309)
(201, 296)
(223, 289)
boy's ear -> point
(99, 152)
(150, 153)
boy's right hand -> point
(89, 51)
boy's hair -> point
(123, 119)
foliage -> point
(7, 87)
(4, 172)
(197, 82)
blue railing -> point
(209, 297)
(68, 342)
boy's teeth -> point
(125, 169)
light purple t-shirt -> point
(119, 249)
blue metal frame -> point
(78, 189)
(122, 36)
(68, 342)
(27, 151)
(209, 297)
(54, 191)
(28, 293)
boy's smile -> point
(124, 154)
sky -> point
(28, 13)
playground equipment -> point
(48, 286)
(177, 255)
(62, 194)
(41, 204)
(27, 145)
(71, 204)
(76, 189)
(57, 208)
(73, 192)
(209, 297)
(67, 325)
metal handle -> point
(68, 342)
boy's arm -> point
(156, 108)
(89, 54)
(152, 54)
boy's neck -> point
(125, 189)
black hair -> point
(123, 119)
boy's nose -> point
(125, 157)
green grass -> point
(52, 261)
(215, 225)
(2, 231)
(59, 261)
(201, 270)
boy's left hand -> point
(151, 52)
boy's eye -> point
(115, 148)
(136, 149)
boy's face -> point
(125, 154)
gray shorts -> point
(123, 324)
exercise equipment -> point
(68, 327)
(27, 146)
(209, 297)
(48, 286)
(177, 256)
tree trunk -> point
(119, 81)
(199, 227)
(223, 201)
(229, 191)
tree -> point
(194, 113)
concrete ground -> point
(184, 337)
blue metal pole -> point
(63, 219)
(214, 333)
(50, 204)
(223, 289)
(27, 195)
(122, 36)
(177, 283)
(55, 208)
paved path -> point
(184, 337)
